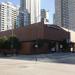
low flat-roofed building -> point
(72, 34)
(39, 38)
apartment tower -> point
(29, 11)
(8, 15)
(65, 13)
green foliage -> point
(65, 46)
(14, 42)
(9, 42)
(52, 44)
(2, 42)
(40, 43)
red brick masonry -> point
(36, 31)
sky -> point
(45, 4)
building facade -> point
(8, 15)
(31, 11)
(45, 16)
(45, 36)
(65, 13)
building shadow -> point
(62, 58)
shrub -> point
(13, 42)
(2, 42)
(9, 42)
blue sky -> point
(47, 4)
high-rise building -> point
(54, 18)
(29, 11)
(45, 16)
(65, 13)
(8, 15)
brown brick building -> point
(39, 38)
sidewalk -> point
(26, 65)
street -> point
(46, 64)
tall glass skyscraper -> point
(30, 11)
(65, 13)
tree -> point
(65, 46)
(2, 42)
(13, 42)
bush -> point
(65, 45)
(2, 42)
(9, 42)
(14, 42)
